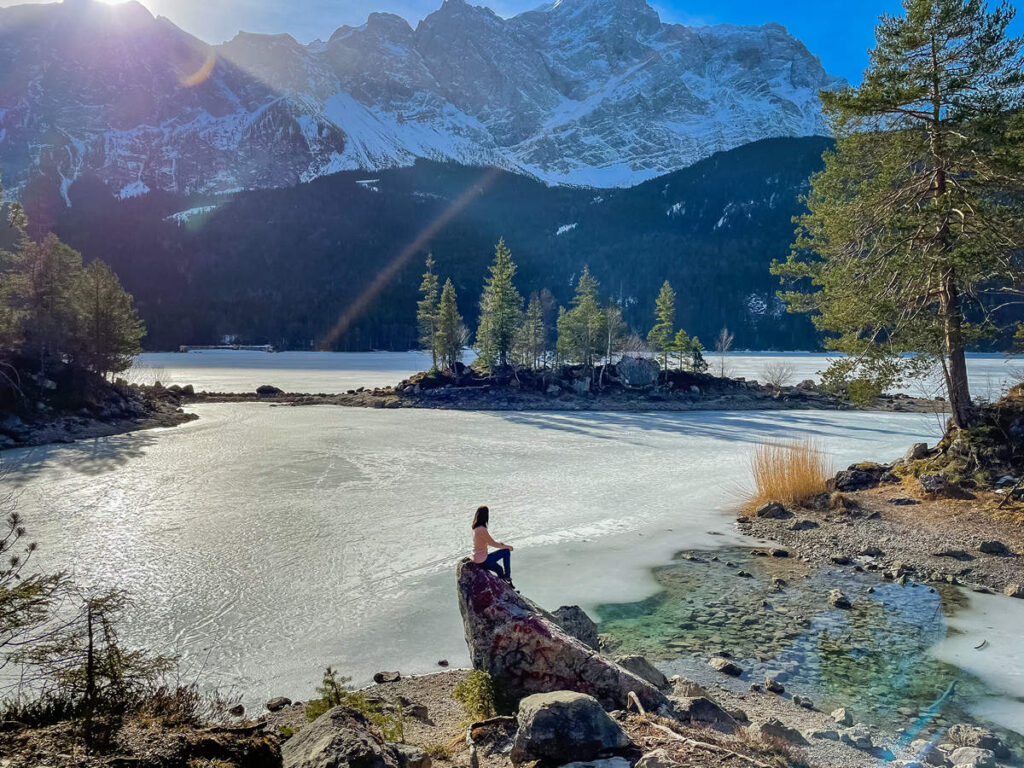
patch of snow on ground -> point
(135, 189)
(181, 217)
(566, 228)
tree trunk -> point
(959, 390)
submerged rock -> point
(526, 651)
(837, 599)
(564, 726)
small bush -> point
(476, 695)
(777, 374)
(437, 750)
(790, 473)
(334, 692)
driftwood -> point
(474, 761)
(635, 702)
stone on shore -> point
(773, 510)
(857, 736)
(974, 736)
(339, 738)
(975, 756)
(773, 728)
(278, 703)
(994, 548)
(387, 677)
(1014, 590)
(411, 757)
(526, 651)
(268, 390)
(638, 665)
(703, 712)
(657, 758)
(842, 716)
(564, 726)
(575, 621)
(854, 480)
(916, 452)
(725, 666)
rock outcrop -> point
(339, 738)
(526, 651)
(575, 621)
(564, 726)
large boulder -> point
(700, 711)
(339, 738)
(526, 651)
(638, 665)
(637, 372)
(564, 726)
(575, 621)
(855, 480)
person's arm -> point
(496, 544)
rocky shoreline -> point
(115, 410)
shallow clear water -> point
(263, 543)
(890, 659)
(333, 372)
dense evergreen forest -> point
(281, 266)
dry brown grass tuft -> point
(791, 473)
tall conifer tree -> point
(917, 212)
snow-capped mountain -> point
(590, 92)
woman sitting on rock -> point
(482, 540)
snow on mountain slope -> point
(588, 92)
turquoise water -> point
(873, 658)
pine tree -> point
(681, 348)
(426, 312)
(697, 362)
(41, 297)
(451, 333)
(916, 213)
(501, 307)
(581, 338)
(108, 326)
(661, 335)
(531, 339)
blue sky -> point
(840, 33)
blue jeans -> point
(502, 556)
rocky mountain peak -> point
(587, 92)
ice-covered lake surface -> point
(263, 543)
(334, 372)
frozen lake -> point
(333, 372)
(264, 543)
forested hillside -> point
(280, 266)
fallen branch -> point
(633, 700)
(474, 761)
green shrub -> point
(334, 692)
(476, 695)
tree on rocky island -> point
(109, 326)
(531, 339)
(427, 312)
(916, 217)
(581, 338)
(451, 332)
(55, 311)
(661, 335)
(501, 308)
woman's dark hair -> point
(481, 517)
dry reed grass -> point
(792, 473)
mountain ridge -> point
(582, 92)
